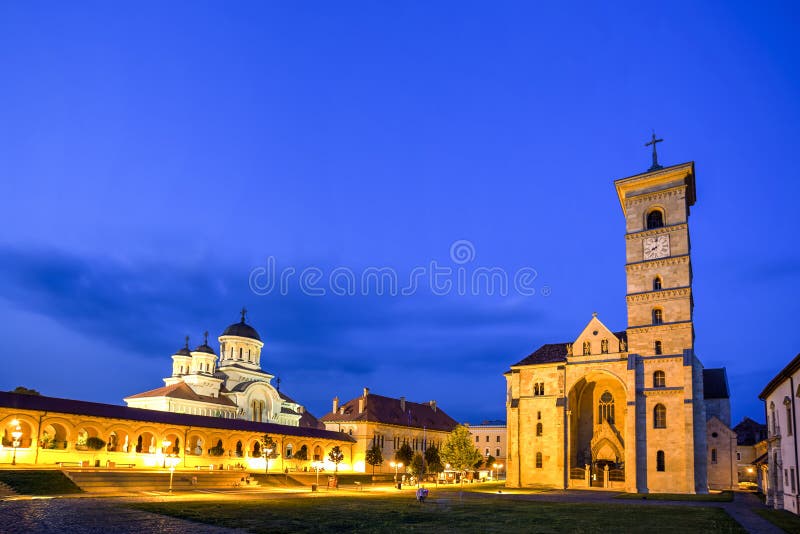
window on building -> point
(660, 416)
(241, 350)
(538, 389)
(477, 439)
(497, 453)
(487, 439)
(604, 346)
(655, 219)
(657, 283)
(658, 316)
(538, 460)
(657, 348)
(738, 456)
(538, 415)
(498, 439)
(659, 379)
(538, 429)
(713, 456)
(787, 402)
(660, 463)
(793, 479)
(587, 348)
(772, 417)
(605, 410)
(487, 451)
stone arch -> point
(56, 433)
(655, 216)
(196, 443)
(595, 424)
(26, 425)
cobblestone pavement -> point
(90, 516)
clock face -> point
(656, 247)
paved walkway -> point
(90, 516)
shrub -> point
(95, 443)
(216, 451)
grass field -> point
(781, 519)
(45, 482)
(725, 496)
(388, 514)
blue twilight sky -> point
(153, 154)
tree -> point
(489, 462)
(432, 460)
(301, 454)
(374, 457)
(268, 447)
(404, 454)
(24, 391)
(417, 466)
(336, 456)
(459, 450)
(479, 463)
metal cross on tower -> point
(653, 142)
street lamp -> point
(172, 462)
(316, 466)
(16, 434)
(396, 465)
(497, 467)
(268, 452)
(164, 444)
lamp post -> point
(396, 465)
(268, 452)
(16, 434)
(164, 444)
(316, 466)
(172, 462)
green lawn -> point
(725, 496)
(45, 482)
(780, 518)
(444, 514)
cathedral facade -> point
(231, 386)
(622, 409)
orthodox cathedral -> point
(231, 386)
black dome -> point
(205, 348)
(242, 329)
(183, 352)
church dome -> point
(242, 329)
(184, 351)
(204, 347)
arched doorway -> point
(598, 406)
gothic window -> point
(655, 219)
(789, 423)
(659, 379)
(658, 316)
(657, 347)
(605, 409)
(713, 456)
(538, 389)
(241, 351)
(657, 283)
(587, 348)
(660, 463)
(538, 429)
(604, 346)
(660, 416)
(538, 460)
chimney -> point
(366, 391)
(335, 404)
(403, 404)
(433, 405)
(362, 401)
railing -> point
(577, 473)
(616, 475)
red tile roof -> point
(387, 410)
(182, 391)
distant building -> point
(721, 440)
(388, 423)
(490, 440)
(750, 446)
(233, 386)
(780, 397)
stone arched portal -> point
(598, 407)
